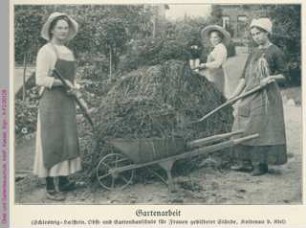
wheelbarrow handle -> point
(216, 147)
(215, 138)
(246, 138)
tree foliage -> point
(112, 29)
(216, 15)
(101, 27)
(28, 22)
(287, 27)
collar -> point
(268, 44)
(219, 44)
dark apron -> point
(262, 113)
(58, 123)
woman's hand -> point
(77, 86)
(73, 88)
(69, 84)
(202, 66)
(73, 92)
(266, 81)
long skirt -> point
(262, 113)
(216, 76)
(63, 168)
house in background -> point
(236, 19)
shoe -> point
(54, 195)
(260, 170)
(243, 167)
(64, 185)
(70, 186)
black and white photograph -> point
(157, 104)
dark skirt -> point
(274, 154)
(58, 127)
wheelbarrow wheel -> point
(106, 173)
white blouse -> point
(217, 57)
(46, 60)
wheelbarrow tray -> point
(161, 151)
(149, 149)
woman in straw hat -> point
(261, 112)
(57, 147)
(214, 70)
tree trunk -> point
(24, 76)
(110, 63)
(115, 58)
(154, 27)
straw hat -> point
(72, 31)
(263, 23)
(206, 31)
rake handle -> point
(233, 100)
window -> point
(225, 22)
(242, 22)
(242, 19)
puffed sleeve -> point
(219, 55)
(44, 64)
(280, 63)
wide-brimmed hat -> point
(73, 30)
(206, 31)
(263, 23)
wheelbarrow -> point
(116, 170)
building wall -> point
(233, 13)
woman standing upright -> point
(218, 38)
(57, 147)
(261, 112)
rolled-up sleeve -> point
(43, 66)
(219, 55)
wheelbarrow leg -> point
(167, 166)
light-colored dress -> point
(56, 139)
(215, 66)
